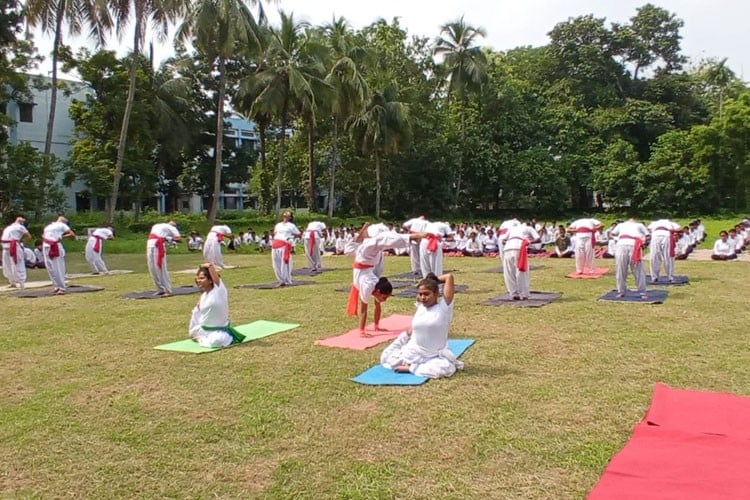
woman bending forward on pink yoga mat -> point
(423, 349)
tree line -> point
(390, 124)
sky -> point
(712, 29)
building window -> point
(26, 112)
(248, 133)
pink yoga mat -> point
(596, 273)
(668, 464)
(394, 325)
(700, 412)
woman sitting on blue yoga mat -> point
(209, 323)
(423, 349)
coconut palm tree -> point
(59, 17)
(158, 14)
(381, 129)
(466, 68)
(217, 29)
(350, 89)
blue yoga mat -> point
(654, 297)
(380, 375)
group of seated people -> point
(731, 243)
(249, 237)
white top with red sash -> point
(12, 234)
(436, 231)
(218, 232)
(416, 225)
(52, 235)
(314, 232)
(158, 237)
(631, 233)
(97, 235)
(585, 228)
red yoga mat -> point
(394, 325)
(691, 445)
(590, 274)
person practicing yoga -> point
(282, 243)
(156, 255)
(209, 322)
(367, 252)
(212, 246)
(14, 264)
(423, 349)
(95, 247)
(54, 252)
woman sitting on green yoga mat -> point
(209, 323)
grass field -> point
(89, 409)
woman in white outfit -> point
(209, 323)
(423, 349)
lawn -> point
(90, 409)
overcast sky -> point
(713, 29)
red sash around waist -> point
(352, 305)
(161, 248)
(219, 236)
(13, 249)
(523, 254)
(313, 246)
(359, 265)
(672, 239)
(97, 243)
(54, 248)
(636, 257)
(285, 245)
(432, 242)
(590, 231)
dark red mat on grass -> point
(691, 445)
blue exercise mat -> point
(664, 281)
(380, 375)
(653, 297)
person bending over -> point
(423, 349)
(209, 322)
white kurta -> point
(661, 240)
(283, 231)
(432, 261)
(583, 245)
(426, 350)
(370, 253)
(212, 245)
(415, 225)
(94, 257)
(14, 269)
(312, 239)
(160, 275)
(55, 265)
(212, 310)
(625, 232)
(517, 282)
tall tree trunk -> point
(122, 144)
(262, 193)
(461, 155)
(332, 185)
(280, 167)
(47, 163)
(377, 184)
(311, 191)
(213, 210)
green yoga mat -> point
(251, 331)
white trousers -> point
(516, 282)
(55, 267)
(430, 262)
(416, 266)
(212, 252)
(282, 270)
(94, 258)
(313, 261)
(623, 262)
(659, 255)
(14, 271)
(159, 275)
(584, 252)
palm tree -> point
(720, 76)
(466, 67)
(350, 88)
(159, 14)
(286, 77)
(382, 128)
(52, 17)
(218, 28)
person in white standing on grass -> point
(630, 235)
(312, 239)
(54, 253)
(156, 255)
(14, 261)
(585, 230)
(284, 234)
(663, 247)
(415, 225)
(423, 349)
(95, 247)
(431, 248)
(516, 260)
(212, 245)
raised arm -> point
(448, 287)
(215, 278)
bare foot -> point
(401, 369)
(364, 334)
